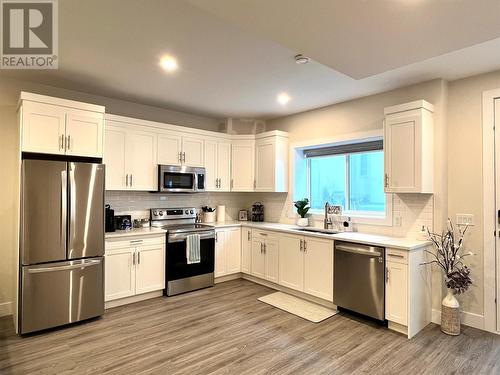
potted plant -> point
(302, 209)
(449, 257)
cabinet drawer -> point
(135, 241)
(397, 256)
(264, 235)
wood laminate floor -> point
(225, 330)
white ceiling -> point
(236, 56)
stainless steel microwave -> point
(176, 179)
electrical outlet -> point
(163, 198)
(465, 219)
(398, 221)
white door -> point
(233, 250)
(291, 264)
(84, 133)
(224, 166)
(192, 151)
(318, 268)
(242, 167)
(402, 155)
(150, 269)
(119, 274)
(211, 182)
(264, 166)
(271, 250)
(258, 259)
(115, 157)
(43, 128)
(396, 296)
(246, 250)
(220, 254)
(142, 166)
(169, 149)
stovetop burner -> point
(183, 228)
(178, 220)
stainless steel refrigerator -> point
(61, 244)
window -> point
(348, 175)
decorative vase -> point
(303, 222)
(209, 217)
(450, 315)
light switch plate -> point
(465, 219)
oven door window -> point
(172, 180)
(177, 267)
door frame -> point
(490, 258)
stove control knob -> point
(191, 212)
(160, 213)
(155, 213)
(186, 212)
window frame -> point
(297, 156)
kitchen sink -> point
(318, 230)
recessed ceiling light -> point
(301, 59)
(168, 63)
(283, 98)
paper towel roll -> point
(221, 214)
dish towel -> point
(193, 248)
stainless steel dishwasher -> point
(359, 278)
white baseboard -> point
(5, 309)
(132, 299)
(467, 318)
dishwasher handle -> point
(358, 250)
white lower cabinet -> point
(227, 251)
(246, 250)
(306, 265)
(265, 255)
(134, 266)
(396, 296)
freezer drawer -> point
(359, 278)
(54, 294)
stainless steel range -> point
(181, 274)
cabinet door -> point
(142, 166)
(192, 149)
(264, 165)
(246, 250)
(169, 149)
(396, 296)
(318, 268)
(84, 133)
(272, 260)
(233, 250)
(119, 274)
(115, 157)
(258, 258)
(220, 254)
(43, 128)
(291, 263)
(150, 269)
(242, 168)
(224, 165)
(402, 156)
(211, 165)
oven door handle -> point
(181, 237)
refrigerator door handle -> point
(64, 209)
(80, 264)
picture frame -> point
(243, 215)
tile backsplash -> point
(410, 211)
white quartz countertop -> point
(364, 238)
(134, 232)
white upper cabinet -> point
(130, 157)
(169, 149)
(62, 127)
(243, 166)
(192, 151)
(409, 148)
(217, 160)
(271, 164)
(179, 149)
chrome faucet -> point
(327, 222)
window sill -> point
(359, 218)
